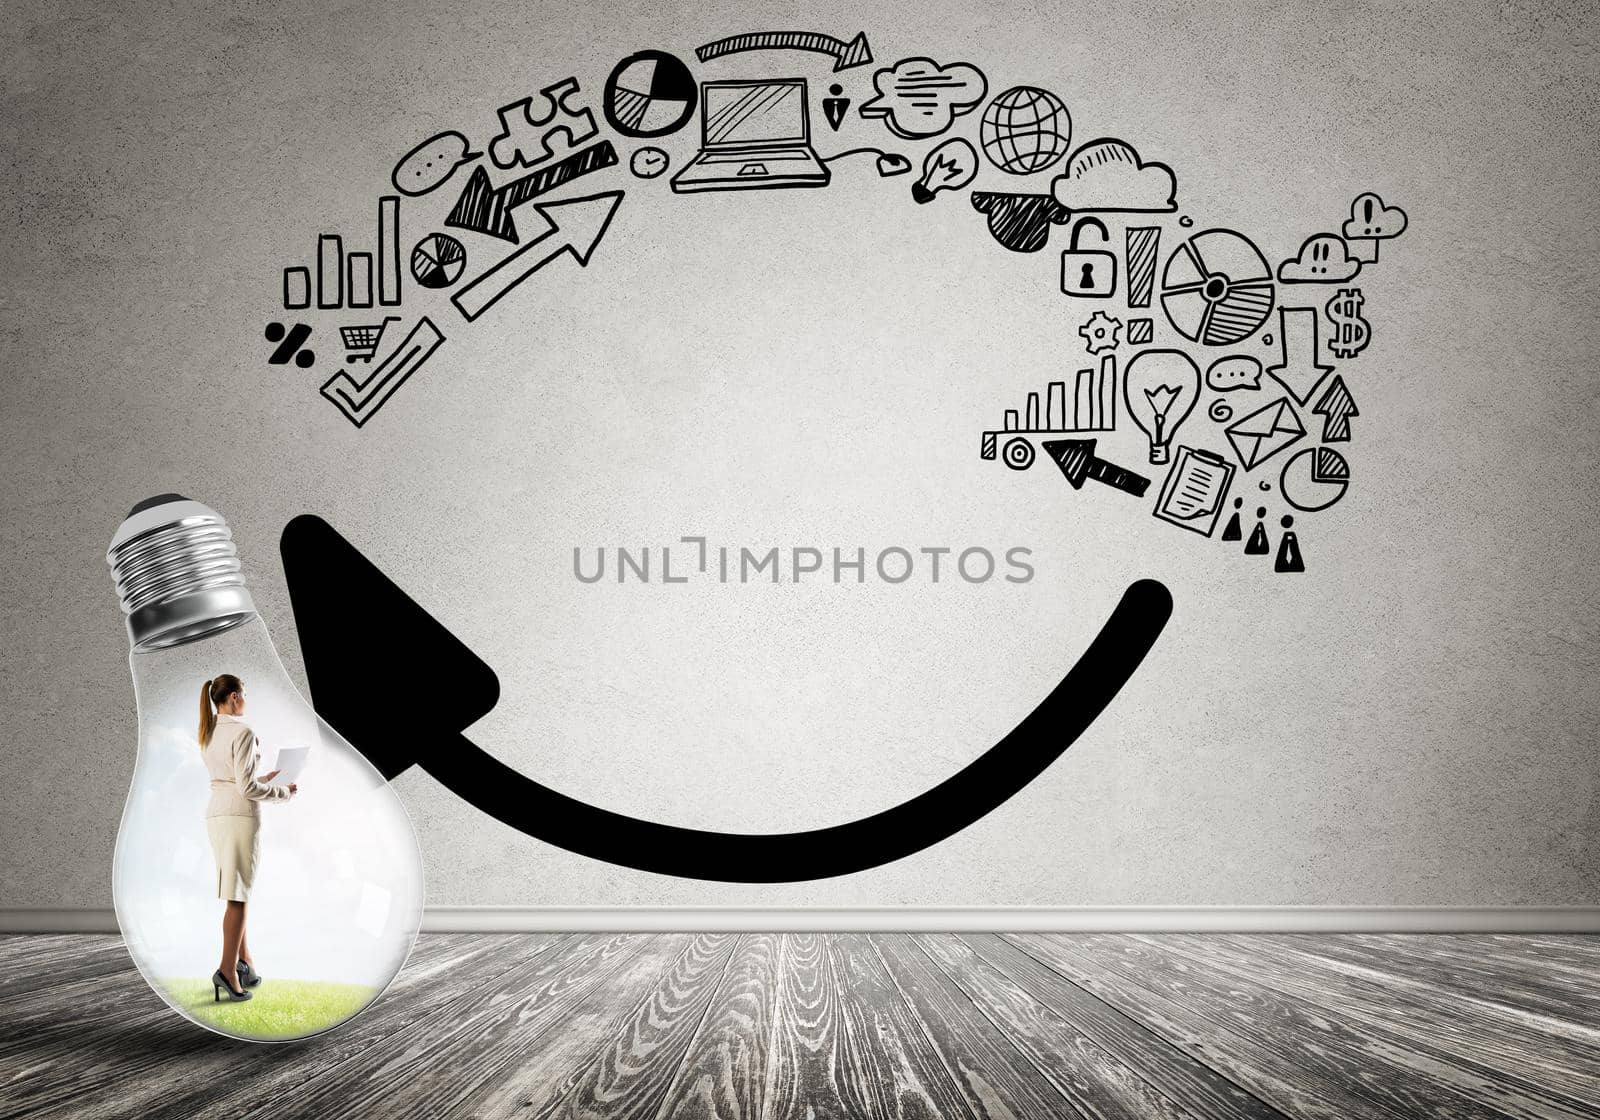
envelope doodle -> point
(1265, 432)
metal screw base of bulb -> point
(177, 573)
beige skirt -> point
(236, 842)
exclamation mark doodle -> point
(1142, 243)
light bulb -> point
(1160, 388)
(334, 897)
(950, 166)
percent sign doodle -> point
(291, 344)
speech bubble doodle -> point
(1234, 371)
(431, 162)
(918, 98)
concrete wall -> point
(1411, 721)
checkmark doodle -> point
(361, 400)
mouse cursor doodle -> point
(349, 613)
(1077, 461)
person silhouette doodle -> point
(1289, 558)
(1258, 545)
(1232, 531)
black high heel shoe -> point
(248, 976)
(220, 982)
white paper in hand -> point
(290, 762)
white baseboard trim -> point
(1010, 919)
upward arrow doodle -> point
(1336, 406)
(575, 225)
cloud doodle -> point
(1217, 288)
(1108, 175)
(1323, 258)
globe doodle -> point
(1025, 130)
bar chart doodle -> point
(1092, 407)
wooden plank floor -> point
(934, 1026)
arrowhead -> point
(581, 222)
(477, 209)
(855, 53)
(1337, 398)
(1073, 457)
(383, 672)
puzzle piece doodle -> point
(526, 140)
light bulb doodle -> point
(949, 167)
(348, 612)
(1160, 388)
(329, 872)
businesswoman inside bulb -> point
(233, 818)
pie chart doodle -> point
(1314, 479)
(1217, 289)
(650, 93)
(438, 260)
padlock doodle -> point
(1089, 273)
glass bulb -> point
(335, 897)
(1160, 388)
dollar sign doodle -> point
(1351, 332)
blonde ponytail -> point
(208, 718)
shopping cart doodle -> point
(361, 341)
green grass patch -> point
(278, 1009)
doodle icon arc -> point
(303, 827)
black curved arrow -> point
(400, 688)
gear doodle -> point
(1101, 332)
(527, 140)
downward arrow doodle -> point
(349, 613)
(1301, 367)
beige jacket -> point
(231, 760)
